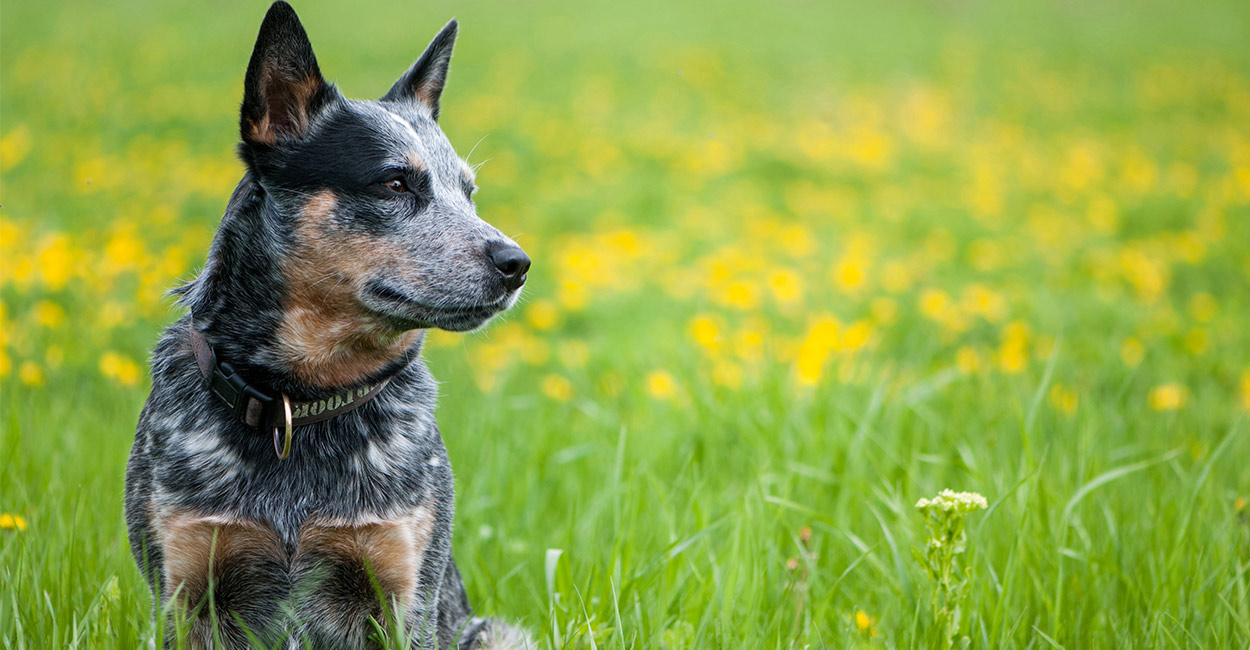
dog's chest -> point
(337, 574)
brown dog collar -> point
(262, 409)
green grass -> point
(796, 267)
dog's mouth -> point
(403, 312)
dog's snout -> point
(511, 261)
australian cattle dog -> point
(288, 484)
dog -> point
(288, 484)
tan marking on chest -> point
(199, 550)
(327, 337)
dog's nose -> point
(511, 261)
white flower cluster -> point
(957, 502)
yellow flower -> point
(30, 373)
(786, 285)
(48, 314)
(1132, 352)
(1063, 398)
(727, 374)
(542, 315)
(9, 521)
(821, 339)
(661, 385)
(557, 388)
(1168, 397)
(119, 368)
(934, 303)
(865, 624)
(1245, 389)
(1203, 307)
(968, 360)
(849, 274)
(705, 332)
(14, 146)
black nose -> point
(511, 261)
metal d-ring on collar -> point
(261, 408)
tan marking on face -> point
(416, 162)
(197, 548)
(327, 337)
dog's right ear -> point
(284, 88)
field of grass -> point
(796, 266)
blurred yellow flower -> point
(1013, 353)
(48, 314)
(1063, 398)
(849, 274)
(1245, 389)
(1132, 352)
(557, 388)
(706, 332)
(55, 261)
(573, 353)
(14, 146)
(786, 285)
(1168, 397)
(119, 368)
(968, 360)
(1203, 307)
(542, 314)
(727, 374)
(30, 373)
(865, 624)
(660, 385)
(9, 521)
(934, 303)
(821, 340)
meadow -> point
(797, 266)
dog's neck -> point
(276, 334)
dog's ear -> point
(424, 81)
(284, 88)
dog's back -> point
(351, 232)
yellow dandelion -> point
(542, 314)
(706, 332)
(14, 146)
(968, 360)
(1245, 389)
(1063, 398)
(741, 295)
(856, 336)
(1132, 352)
(557, 388)
(727, 374)
(9, 521)
(660, 385)
(865, 624)
(30, 373)
(934, 303)
(884, 310)
(1168, 397)
(849, 274)
(1203, 307)
(119, 368)
(573, 353)
(786, 286)
(48, 314)
(814, 350)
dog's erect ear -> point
(424, 81)
(284, 88)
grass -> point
(796, 267)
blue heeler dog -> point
(288, 481)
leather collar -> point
(259, 407)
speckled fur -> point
(296, 551)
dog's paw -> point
(493, 634)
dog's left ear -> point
(424, 81)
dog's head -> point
(374, 203)
(372, 208)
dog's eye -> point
(396, 185)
